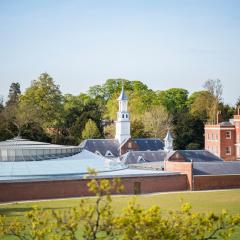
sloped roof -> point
(112, 145)
(101, 146)
(199, 156)
(227, 124)
(122, 96)
(132, 157)
(168, 136)
(149, 144)
(216, 168)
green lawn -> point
(201, 201)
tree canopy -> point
(42, 112)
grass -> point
(213, 201)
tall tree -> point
(174, 100)
(156, 121)
(215, 88)
(200, 105)
(90, 130)
(14, 93)
(45, 98)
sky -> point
(164, 44)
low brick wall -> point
(216, 182)
(182, 167)
(16, 191)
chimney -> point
(218, 117)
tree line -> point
(43, 113)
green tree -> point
(137, 129)
(187, 129)
(215, 88)
(174, 100)
(45, 99)
(156, 121)
(200, 104)
(91, 130)
(14, 94)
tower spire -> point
(168, 142)
(123, 120)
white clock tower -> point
(123, 120)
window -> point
(126, 116)
(208, 136)
(108, 154)
(228, 150)
(212, 136)
(228, 134)
(130, 145)
(140, 159)
(216, 136)
(122, 115)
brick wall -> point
(17, 191)
(129, 145)
(216, 182)
(228, 143)
(217, 142)
(182, 167)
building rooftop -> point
(73, 167)
(134, 157)
(110, 147)
(226, 124)
(199, 156)
(122, 96)
(19, 149)
(216, 168)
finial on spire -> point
(122, 96)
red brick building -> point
(223, 139)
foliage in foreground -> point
(97, 220)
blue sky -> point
(82, 43)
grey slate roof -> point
(112, 145)
(168, 136)
(123, 96)
(101, 146)
(134, 157)
(216, 168)
(199, 156)
(226, 124)
(149, 144)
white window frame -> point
(141, 159)
(230, 151)
(213, 137)
(108, 154)
(230, 134)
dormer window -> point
(140, 159)
(98, 153)
(108, 154)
